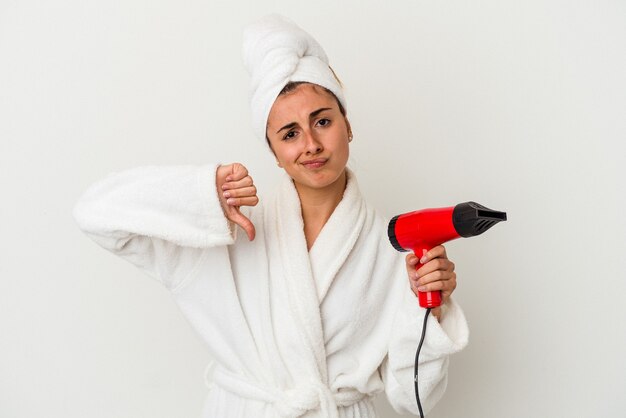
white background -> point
(518, 105)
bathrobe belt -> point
(290, 403)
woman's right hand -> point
(235, 188)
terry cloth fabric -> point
(275, 52)
(293, 333)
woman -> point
(311, 314)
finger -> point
(411, 261)
(443, 285)
(437, 275)
(242, 201)
(238, 184)
(222, 172)
(445, 294)
(242, 192)
(238, 171)
(438, 251)
(439, 280)
(433, 265)
(446, 290)
(434, 276)
(240, 219)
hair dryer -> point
(424, 229)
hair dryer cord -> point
(417, 355)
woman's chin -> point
(318, 179)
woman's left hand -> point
(435, 273)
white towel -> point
(275, 52)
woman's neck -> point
(318, 205)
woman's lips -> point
(313, 164)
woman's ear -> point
(349, 129)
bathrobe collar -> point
(308, 276)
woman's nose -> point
(313, 145)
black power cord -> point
(417, 356)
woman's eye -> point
(289, 135)
(323, 122)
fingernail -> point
(230, 201)
(423, 259)
(226, 194)
(422, 288)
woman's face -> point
(309, 136)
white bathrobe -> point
(294, 333)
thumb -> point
(235, 215)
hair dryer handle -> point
(426, 299)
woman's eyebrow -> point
(318, 111)
(311, 116)
(288, 126)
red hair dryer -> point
(424, 229)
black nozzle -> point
(391, 233)
(471, 219)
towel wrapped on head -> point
(276, 52)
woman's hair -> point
(292, 85)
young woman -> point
(311, 313)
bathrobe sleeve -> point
(442, 339)
(160, 218)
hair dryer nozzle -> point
(471, 219)
(391, 233)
